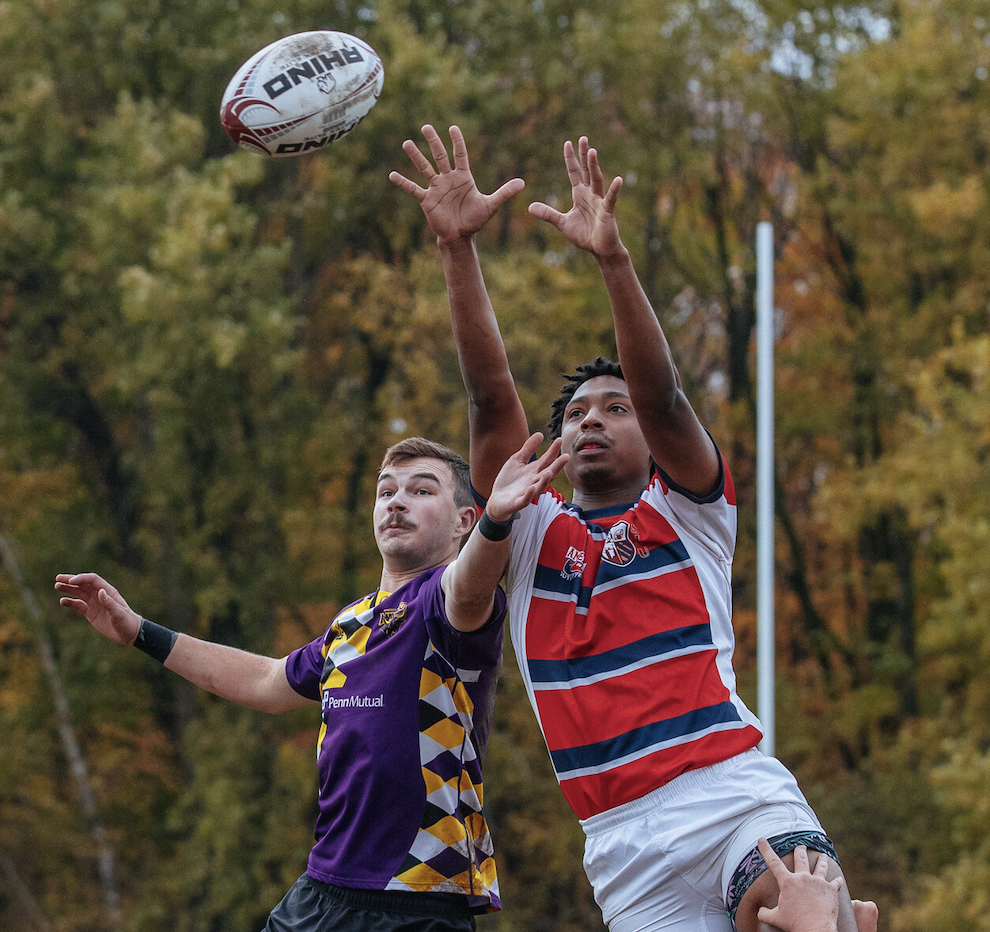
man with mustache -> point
(620, 600)
(406, 679)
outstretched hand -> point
(522, 478)
(807, 902)
(101, 604)
(590, 223)
(454, 207)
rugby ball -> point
(301, 93)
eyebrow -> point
(432, 477)
(611, 393)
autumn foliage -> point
(203, 355)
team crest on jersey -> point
(573, 564)
(391, 619)
(622, 545)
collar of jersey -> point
(610, 512)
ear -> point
(467, 517)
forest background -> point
(203, 354)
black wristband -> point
(155, 640)
(494, 530)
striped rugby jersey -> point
(621, 621)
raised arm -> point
(469, 582)
(456, 211)
(248, 679)
(677, 441)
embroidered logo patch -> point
(390, 619)
(573, 564)
(622, 545)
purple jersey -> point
(407, 706)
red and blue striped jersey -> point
(621, 621)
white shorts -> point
(664, 861)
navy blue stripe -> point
(602, 752)
(653, 646)
(551, 580)
(659, 557)
(592, 515)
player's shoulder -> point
(723, 492)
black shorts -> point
(312, 906)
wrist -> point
(154, 640)
(458, 246)
(494, 529)
(620, 257)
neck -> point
(395, 577)
(594, 499)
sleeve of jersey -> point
(527, 535)
(304, 667)
(482, 646)
(710, 520)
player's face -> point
(601, 433)
(417, 522)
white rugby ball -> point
(301, 93)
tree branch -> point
(29, 905)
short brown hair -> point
(419, 447)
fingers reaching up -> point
(454, 207)
(867, 915)
(524, 478)
(590, 224)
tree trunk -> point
(77, 764)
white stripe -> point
(649, 574)
(552, 596)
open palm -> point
(590, 223)
(451, 201)
(524, 478)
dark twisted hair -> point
(587, 370)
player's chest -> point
(585, 550)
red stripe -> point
(554, 632)
(598, 711)
(646, 606)
(730, 488)
(593, 794)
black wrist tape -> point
(491, 529)
(155, 640)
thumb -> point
(546, 212)
(507, 190)
(766, 915)
(125, 623)
(113, 607)
(612, 195)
